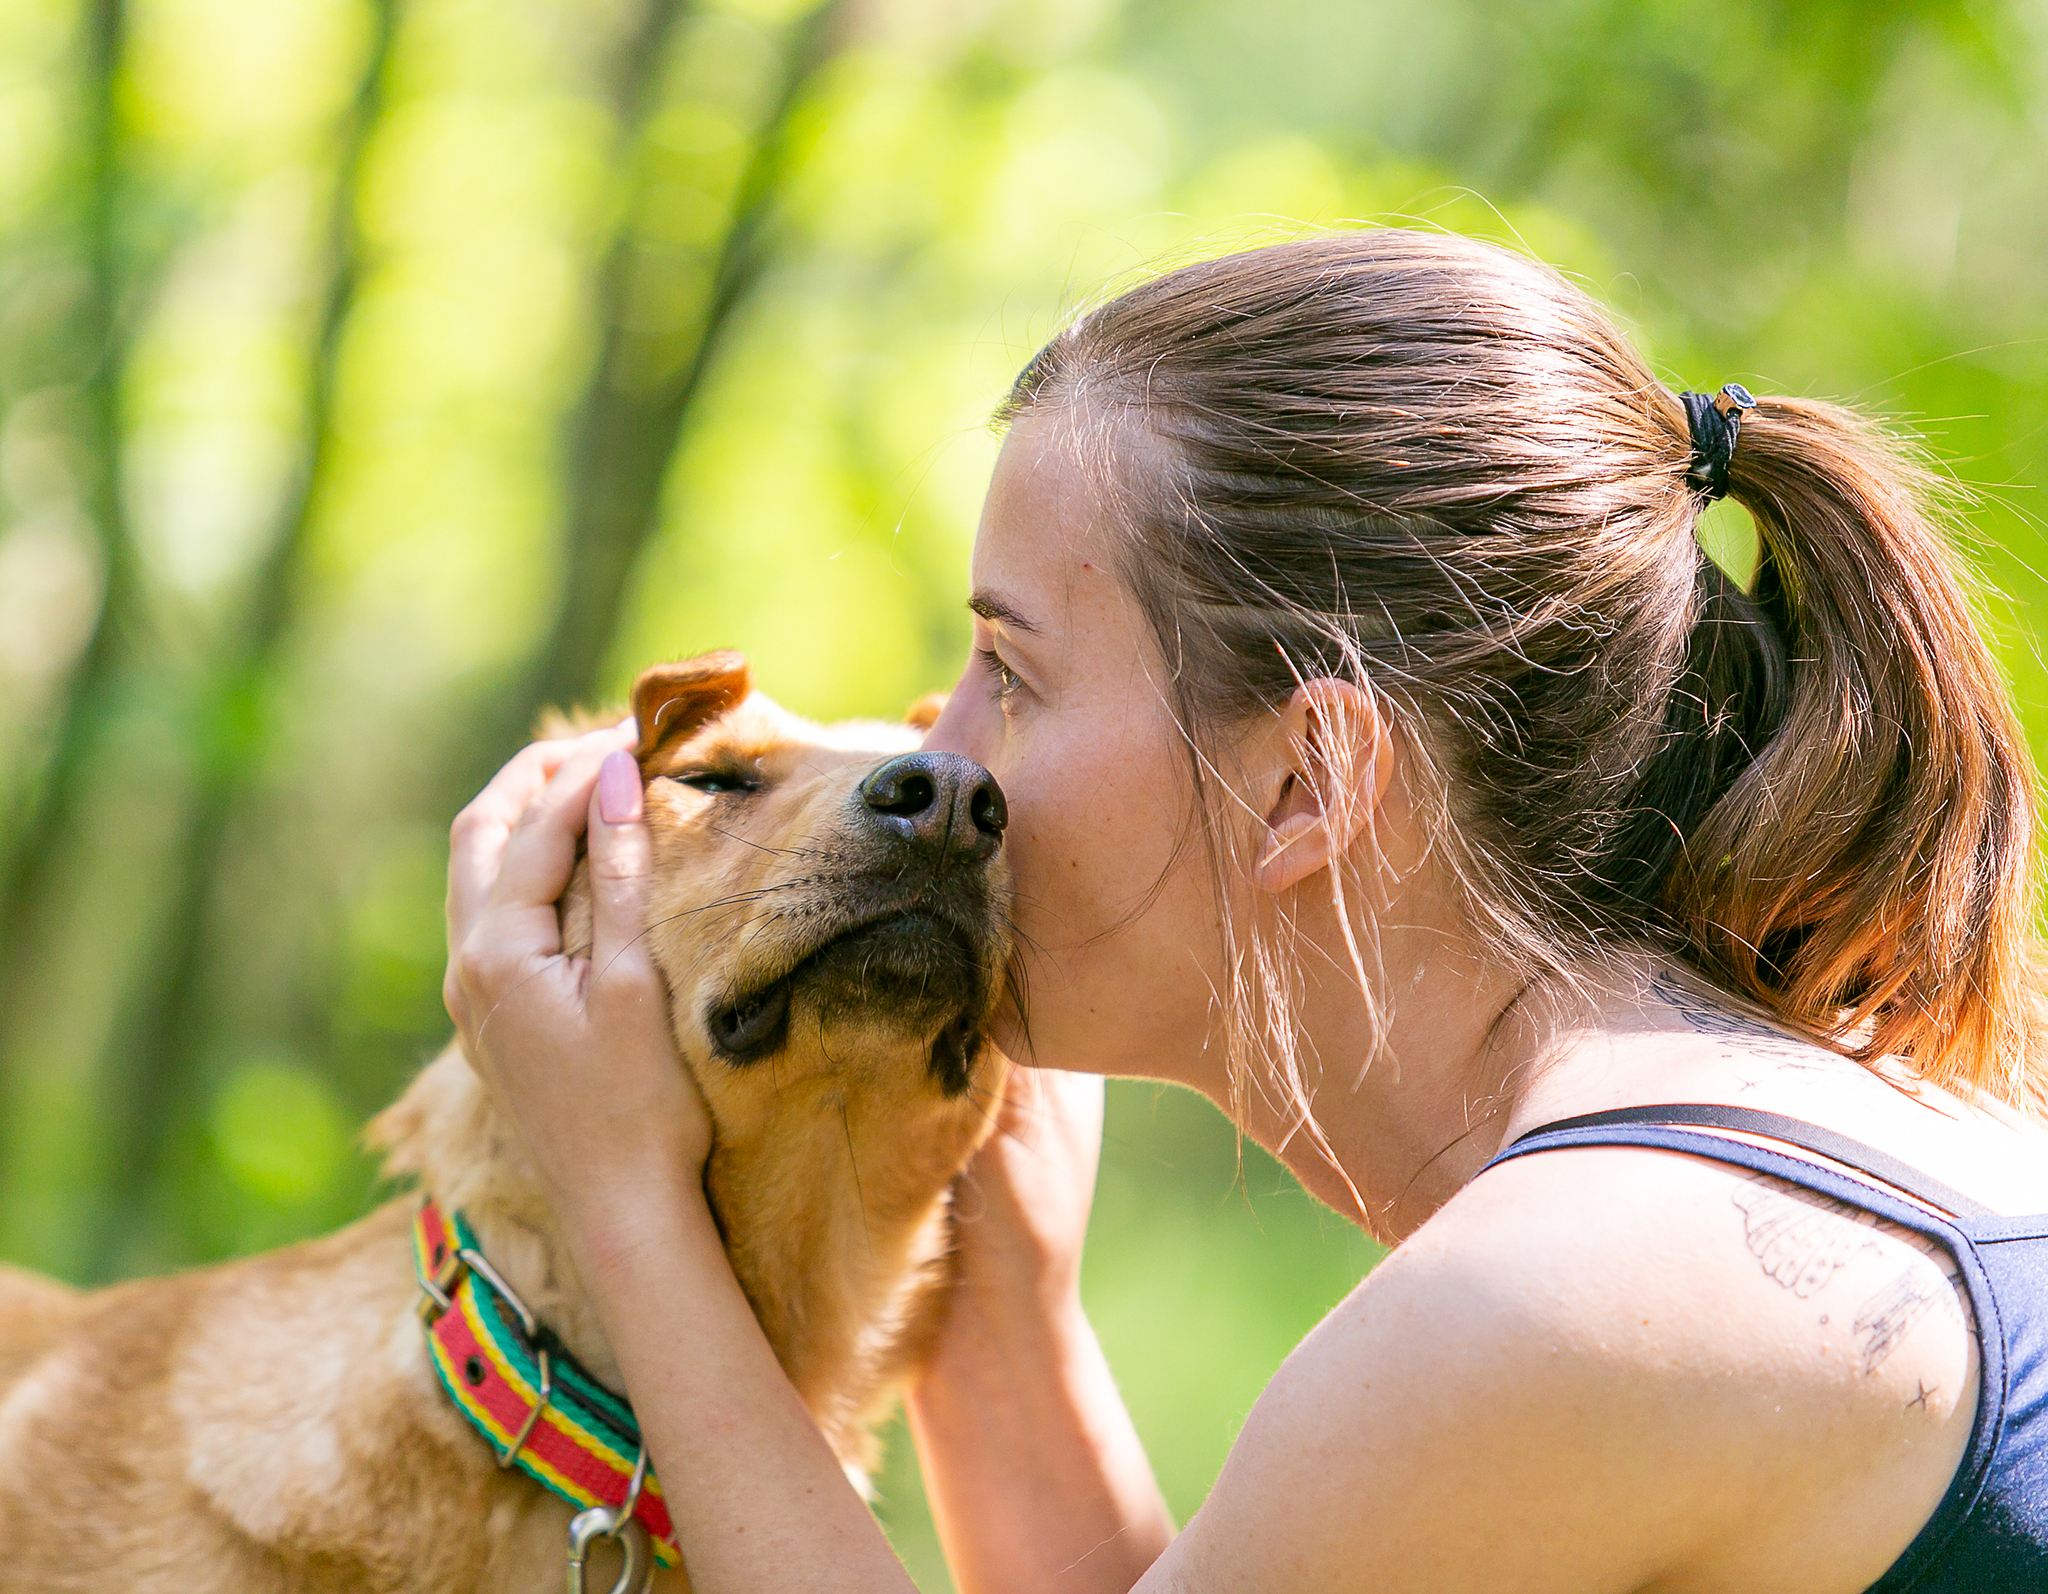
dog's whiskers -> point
(773, 852)
(735, 900)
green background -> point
(373, 372)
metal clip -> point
(547, 1390)
(610, 1522)
(437, 1295)
(477, 1262)
(633, 1487)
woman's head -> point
(1433, 469)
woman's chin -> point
(1086, 1043)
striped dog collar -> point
(519, 1386)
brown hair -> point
(1434, 467)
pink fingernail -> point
(618, 788)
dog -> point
(829, 908)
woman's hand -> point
(577, 1049)
(1021, 1210)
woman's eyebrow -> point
(994, 610)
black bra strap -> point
(1793, 1132)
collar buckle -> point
(437, 1291)
(437, 1295)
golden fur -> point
(272, 1426)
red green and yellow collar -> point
(519, 1386)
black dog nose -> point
(941, 800)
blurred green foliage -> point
(373, 372)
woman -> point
(1386, 761)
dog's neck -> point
(838, 1268)
(447, 1134)
(842, 1262)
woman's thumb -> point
(618, 848)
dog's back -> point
(33, 1311)
(261, 1426)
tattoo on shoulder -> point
(1703, 1018)
(1890, 1315)
(1932, 1283)
(1802, 1240)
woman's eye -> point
(1007, 681)
(714, 781)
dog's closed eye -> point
(717, 781)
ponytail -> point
(1868, 878)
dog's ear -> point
(925, 712)
(672, 700)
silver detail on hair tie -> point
(1715, 423)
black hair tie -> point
(1715, 422)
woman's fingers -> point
(541, 851)
(476, 841)
(1036, 1177)
(519, 925)
(618, 850)
(510, 859)
(476, 847)
(579, 1051)
(1056, 1116)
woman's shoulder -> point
(1688, 1043)
(1635, 1367)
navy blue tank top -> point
(1989, 1535)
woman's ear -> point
(1336, 758)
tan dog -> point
(832, 925)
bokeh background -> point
(374, 372)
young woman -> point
(1386, 761)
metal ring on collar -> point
(608, 1522)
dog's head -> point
(829, 905)
(830, 910)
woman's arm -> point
(1036, 1477)
(756, 1495)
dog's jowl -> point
(424, 1401)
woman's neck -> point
(1410, 1103)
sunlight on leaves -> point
(279, 1131)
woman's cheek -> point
(1090, 828)
(1050, 876)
